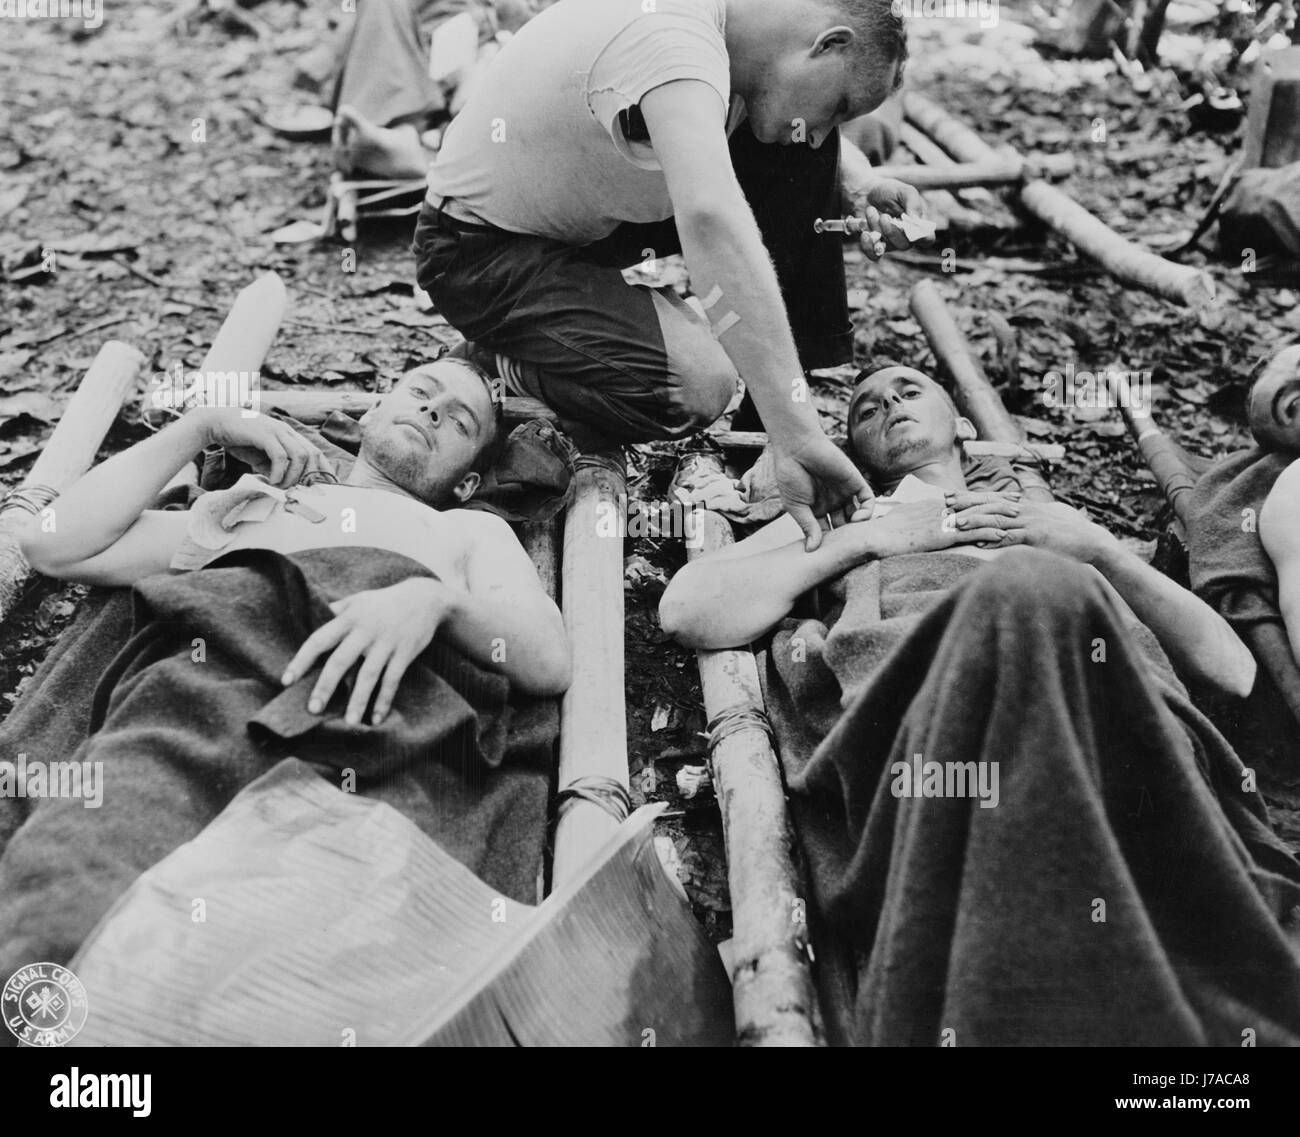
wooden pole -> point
(944, 202)
(314, 407)
(1000, 171)
(924, 148)
(1028, 452)
(771, 978)
(593, 716)
(959, 142)
(243, 341)
(970, 386)
(245, 336)
(1124, 260)
(1152, 29)
(69, 452)
(1162, 455)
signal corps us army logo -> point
(43, 1004)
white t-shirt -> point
(541, 147)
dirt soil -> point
(137, 155)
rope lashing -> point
(608, 794)
(728, 722)
(33, 499)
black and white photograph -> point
(626, 524)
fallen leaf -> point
(410, 318)
(53, 610)
(296, 233)
(1108, 429)
(12, 364)
(20, 452)
(36, 272)
(12, 198)
(36, 404)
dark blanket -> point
(1232, 573)
(1123, 890)
(191, 709)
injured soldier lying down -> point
(422, 453)
(369, 628)
(1018, 829)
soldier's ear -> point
(966, 431)
(839, 38)
(465, 489)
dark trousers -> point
(628, 362)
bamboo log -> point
(771, 979)
(970, 387)
(1134, 23)
(344, 218)
(924, 148)
(593, 716)
(948, 204)
(243, 341)
(1124, 260)
(69, 452)
(737, 439)
(1000, 171)
(245, 336)
(314, 407)
(1161, 453)
(1026, 452)
(1152, 29)
(959, 142)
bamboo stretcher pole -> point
(593, 717)
(245, 336)
(1162, 455)
(314, 407)
(771, 980)
(1124, 260)
(242, 343)
(971, 387)
(69, 452)
(1028, 452)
